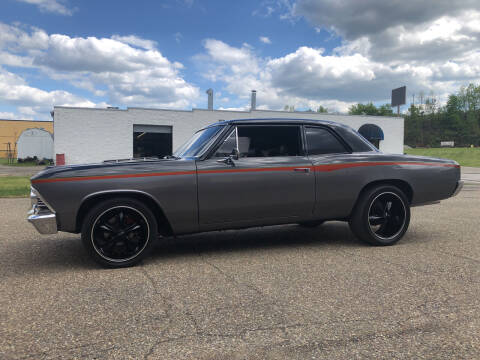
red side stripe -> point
(320, 168)
(233, 170)
(332, 167)
(119, 176)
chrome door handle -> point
(305, 170)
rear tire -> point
(381, 215)
(119, 232)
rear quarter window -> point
(321, 141)
(354, 140)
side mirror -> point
(227, 160)
(235, 154)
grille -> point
(41, 206)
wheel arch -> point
(403, 185)
(164, 227)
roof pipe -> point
(210, 98)
(253, 105)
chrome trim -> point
(34, 194)
(458, 188)
(41, 216)
(236, 140)
(45, 223)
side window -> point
(228, 145)
(320, 141)
(269, 140)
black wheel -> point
(381, 215)
(311, 224)
(119, 232)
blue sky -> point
(304, 53)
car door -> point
(333, 184)
(269, 179)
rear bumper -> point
(458, 188)
(45, 223)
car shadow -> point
(331, 234)
(65, 252)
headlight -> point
(33, 196)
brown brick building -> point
(10, 130)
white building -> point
(86, 135)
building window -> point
(152, 140)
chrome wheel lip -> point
(131, 257)
(404, 216)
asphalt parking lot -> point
(270, 293)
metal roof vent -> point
(210, 98)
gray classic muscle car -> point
(238, 174)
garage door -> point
(152, 140)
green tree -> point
(458, 121)
(385, 110)
(363, 109)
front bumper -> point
(41, 216)
(458, 188)
(45, 223)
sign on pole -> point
(399, 97)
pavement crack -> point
(150, 279)
(159, 342)
(458, 256)
(231, 278)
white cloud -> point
(353, 19)
(383, 45)
(178, 37)
(52, 6)
(8, 116)
(97, 55)
(265, 40)
(136, 41)
(34, 102)
(426, 46)
(15, 38)
(127, 70)
(444, 39)
(308, 77)
(240, 70)
(240, 59)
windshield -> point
(198, 143)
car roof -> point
(277, 121)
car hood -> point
(112, 168)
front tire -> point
(119, 232)
(381, 215)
